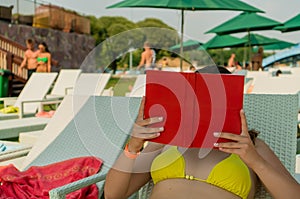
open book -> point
(194, 106)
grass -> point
(120, 85)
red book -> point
(194, 106)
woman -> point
(43, 59)
(232, 170)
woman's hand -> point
(241, 145)
(141, 130)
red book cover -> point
(194, 106)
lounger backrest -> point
(91, 83)
(65, 80)
(276, 85)
(275, 116)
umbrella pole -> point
(245, 56)
(181, 39)
(222, 57)
(250, 51)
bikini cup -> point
(230, 174)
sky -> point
(196, 22)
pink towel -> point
(45, 114)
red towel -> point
(37, 181)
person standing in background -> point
(257, 58)
(30, 59)
(231, 61)
(44, 58)
(146, 58)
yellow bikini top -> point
(230, 174)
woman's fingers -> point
(149, 121)
(231, 145)
(231, 136)
(241, 145)
(142, 130)
(147, 133)
(244, 124)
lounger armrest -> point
(4, 156)
(53, 96)
(61, 192)
(8, 100)
(2, 99)
(68, 89)
(42, 102)
(108, 92)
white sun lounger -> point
(86, 85)
(12, 128)
(65, 112)
(33, 92)
(99, 128)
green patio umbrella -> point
(257, 40)
(278, 46)
(187, 45)
(245, 22)
(260, 40)
(290, 25)
(224, 41)
(191, 5)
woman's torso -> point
(199, 168)
(42, 62)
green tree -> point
(111, 46)
(161, 36)
(115, 39)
